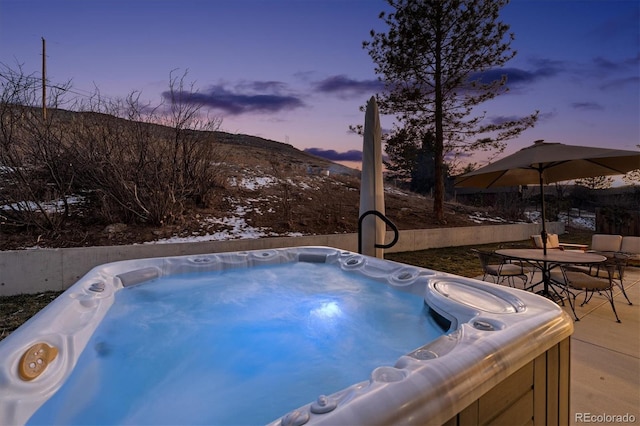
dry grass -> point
(460, 260)
(15, 310)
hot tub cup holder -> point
(263, 255)
(436, 349)
(96, 287)
(408, 276)
(89, 295)
(353, 262)
(323, 404)
(487, 324)
(388, 375)
(295, 418)
(203, 260)
(424, 354)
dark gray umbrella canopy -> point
(543, 163)
(554, 162)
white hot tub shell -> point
(505, 356)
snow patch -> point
(253, 183)
(48, 206)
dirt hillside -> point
(270, 189)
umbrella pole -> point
(543, 234)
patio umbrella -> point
(371, 185)
(545, 162)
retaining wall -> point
(34, 271)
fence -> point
(618, 221)
(34, 271)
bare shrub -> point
(510, 205)
(136, 163)
(142, 171)
(36, 180)
(285, 192)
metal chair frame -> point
(500, 267)
(577, 280)
(613, 267)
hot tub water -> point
(240, 346)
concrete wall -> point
(34, 271)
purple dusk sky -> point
(294, 70)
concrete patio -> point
(605, 358)
(605, 355)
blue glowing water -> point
(242, 346)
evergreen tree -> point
(633, 177)
(437, 60)
(402, 154)
(597, 182)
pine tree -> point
(437, 60)
(597, 182)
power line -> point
(12, 75)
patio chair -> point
(499, 266)
(577, 281)
(553, 241)
(630, 246)
(614, 268)
(605, 244)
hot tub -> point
(307, 335)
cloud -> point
(608, 65)
(620, 83)
(512, 74)
(517, 76)
(615, 74)
(622, 28)
(346, 87)
(459, 155)
(246, 97)
(262, 86)
(587, 106)
(332, 155)
(501, 119)
(634, 61)
(546, 116)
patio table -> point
(581, 247)
(552, 259)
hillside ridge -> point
(268, 189)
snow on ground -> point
(585, 220)
(479, 217)
(48, 206)
(238, 228)
(235, 226)
(254, 183)
(394, 191)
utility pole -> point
(44, 79)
